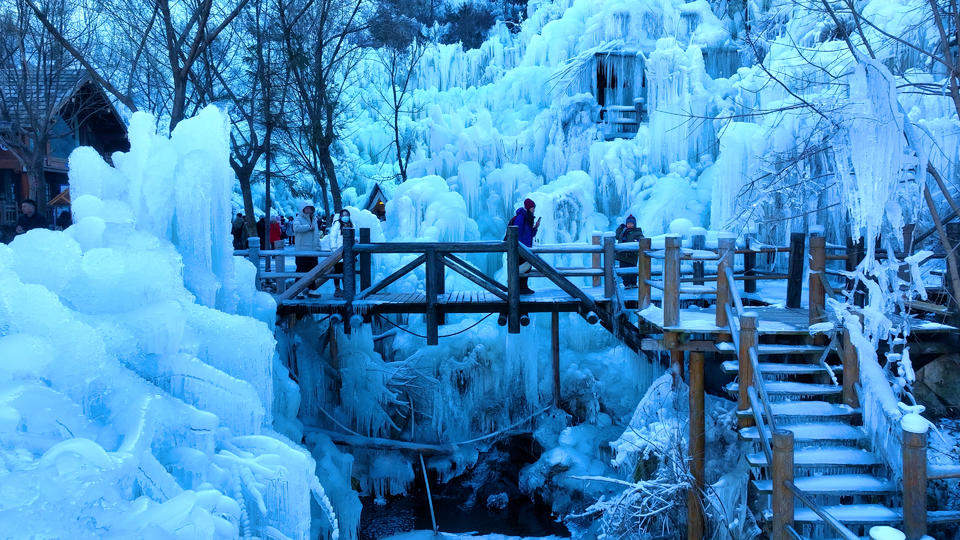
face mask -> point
(345, 219)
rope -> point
(412, 333)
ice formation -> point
(139, 374)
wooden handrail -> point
(316, 273)
(758, 383)
(761, 427)
(734, 293)
(833, 522)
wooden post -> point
(851, 371)
(609, 263)
(699, 242)
(253, 254)
(781, 472)
(748, 338)
(432, 288)
(904, 271)
(441, 278)
(671, 280)
(818, 263)
(725, 247)
(364, 259)
(555, 354)
(914, 482)
(349, 276)
(795, 270)
(281, 267)
(749, 267)
(513, 281)
(643, 274)
(696, 448)
(596, 259)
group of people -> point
(308, 230)
(30, 218)
(528, 225)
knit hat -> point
(631, 219)
(528, 204)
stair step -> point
(811, 431)
(767, 349)
(836, 484)
(836, 456)
(790, 388)
(776, 368)
(807, 408)
(853, 514)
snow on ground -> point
(139, 384)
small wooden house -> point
(84, 116)
(377, 202)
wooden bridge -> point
(814, 470)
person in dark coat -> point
(526, 231)
(629, 232)
(29, 217)
(236, 229)
(262, 232)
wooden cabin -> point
(84, 116)
(377, 202)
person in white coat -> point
(306, 237)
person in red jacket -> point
(276, 234)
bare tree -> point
(37, 76)
(321, 52)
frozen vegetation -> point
(143, 384)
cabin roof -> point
(55, 96)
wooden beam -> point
(476, 271)
(781, 502)
(609, 261)
(364, 259)
(748, 338)
(456, 267)
(643, 274)
(563, 283)
(749, 266)
(513, 280)
(555, 355)
(725, 247)
(914, 451)
(432, 289)
(696, 448)
(851, 371)
(815, 288)
(349, 276)
(423, 247)
(699, 243)
(596, 259)
(661, 345)
(671, 281)
(378, 443)
(387, 281)
(795, 270)
(318, 271)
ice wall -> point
(139, 377)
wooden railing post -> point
(555, 354)
(643, 274)
(253, 254)
(953, 236)
(914, 476)
(795, 270)
(349, 276)
(725, 247)
(432, 288)
(671, 280)
(749, 266)
(696, 448)
(748, 338)
(818, 263)
(281, 266)
(365, 260)
(699, 243)
(596, 259)
(609, 263)
(851, 371)
(781, 472)
(513, 281)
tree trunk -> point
(243, 176)
(327, 161)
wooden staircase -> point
(832, 464)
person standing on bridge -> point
(527, 230)
(629, 232)
(343, 222)
(306, 237)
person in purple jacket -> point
(527, 230)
